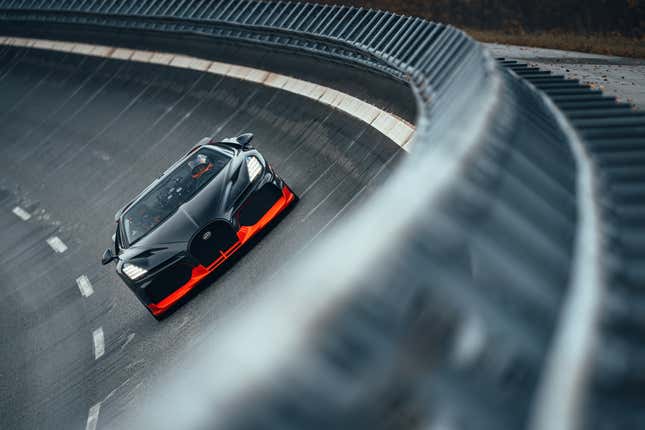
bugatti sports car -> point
(193, 217)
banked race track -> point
(109, 127)
(464, 253)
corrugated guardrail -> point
(613, 137)
(476, 280)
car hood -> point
(217, 200)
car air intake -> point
(171, 279)
(259, 203)
(208, 244)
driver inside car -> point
(199, 165)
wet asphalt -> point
(79, 137)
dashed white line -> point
(127, 341)
(99, 343)
(21, 213)
(93, 417)
(57, 244)
(84, 285)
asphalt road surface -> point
(79, 137)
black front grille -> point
(168, 281)
(207, 245)
(259, 203)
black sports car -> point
(192, 218)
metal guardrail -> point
(451, 313)
(601, 331)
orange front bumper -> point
(244, 234)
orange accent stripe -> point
(244, 234)
(204, 170)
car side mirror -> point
(245, 140)
(108, 257)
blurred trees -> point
(626, 17)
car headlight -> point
(254, 168)
(133, 272)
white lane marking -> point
(93, 417)
(127, 341)
(99, 343)
(21, 213)
(93, 414)
(57, 244)
(394, 128)
(84, 285)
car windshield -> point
(174, 189)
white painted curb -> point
(394, 128)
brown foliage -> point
(615, 27)
(626, 17)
